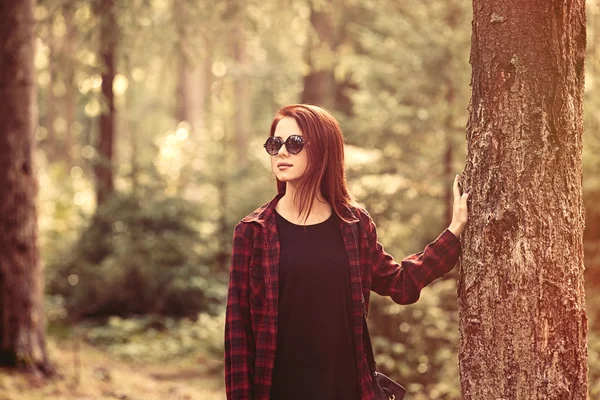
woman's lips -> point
(283, 165)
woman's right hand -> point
(460, 209)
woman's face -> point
(288, 167)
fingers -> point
(464, 199)
(456, 189)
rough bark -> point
(22, 340)
(106, 135)
(523, 325)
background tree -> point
(523, 324)
(108, 40)
(22, 329)
(319, 81)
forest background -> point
(137, 264)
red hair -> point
(325, 152)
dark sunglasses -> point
(294, 144)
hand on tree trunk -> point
(460, 209)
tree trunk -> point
(50, 144)
(192, 88)
(70, 103)
(242, 118)
(319, 84)
(523, 325)
(106, 135)
(22, 340)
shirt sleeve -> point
(403, 282)
(239, 340)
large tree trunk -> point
(22, 340)
(106, 135)
(523, 325)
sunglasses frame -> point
(304, 143)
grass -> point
(86, 372)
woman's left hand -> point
(460, 209)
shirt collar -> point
(262, 214)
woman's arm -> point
(239, 340)
(403, 282)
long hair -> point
(325, 152)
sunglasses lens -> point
(273, 144)
(294, 144)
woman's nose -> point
(283, 151)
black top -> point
(315, 353)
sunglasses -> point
(294, 144)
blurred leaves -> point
(417, 343)
(158, 339)
(138, 256)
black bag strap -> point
(368, 347)
(366, 337)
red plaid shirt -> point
(252, 302)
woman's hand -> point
(460, 209)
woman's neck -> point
(289, 208)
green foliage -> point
(157, 339)
(139, 255)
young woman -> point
(301, 275)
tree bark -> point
(22, 340)
(523, 325)
(106, 136)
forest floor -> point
(86, 372)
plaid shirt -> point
(252, 302)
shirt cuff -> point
(449, 237)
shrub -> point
(139, 255)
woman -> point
(301, 275)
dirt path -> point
(97, 376)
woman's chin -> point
(286, 179)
